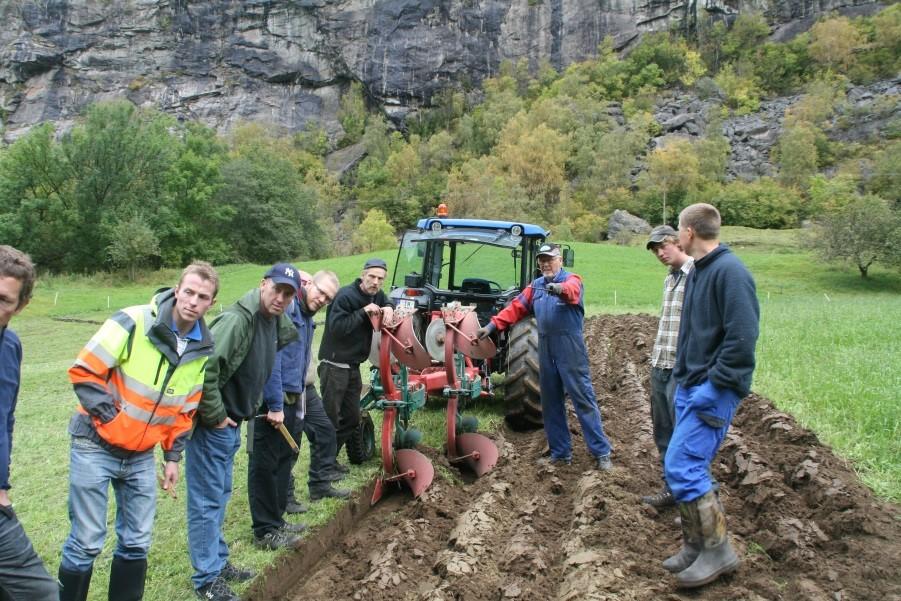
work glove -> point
(554, 288)
(484, 332)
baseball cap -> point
(370, 263)
(549, 250)
(659, 233)
(284, 273)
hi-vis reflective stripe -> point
(131, 391)
(96, 349)
(152, 394)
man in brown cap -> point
(664, 243)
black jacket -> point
(720, 324)
(348, 331)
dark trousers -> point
(268, 474)
(663, 412)
(323, 439)
(23, 576)
(341, 390)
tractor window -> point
(483, 262)
(409, 260)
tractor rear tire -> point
(361, 444)
(522, 390)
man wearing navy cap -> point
(555, 299)
(247, 336)
(345, 345)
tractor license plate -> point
(406, 304)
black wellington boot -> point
(73, 586)
(717, 556)
(691, 539)
(126, 579)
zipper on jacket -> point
(159, 366)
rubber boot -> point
(73, 586)
(691, 539)
(126, 579)
(717, 556)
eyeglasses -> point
(328, 299)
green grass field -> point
(829, 353)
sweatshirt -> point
(720, 324)
(348, 331)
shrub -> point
(760, 204)
(741, 91)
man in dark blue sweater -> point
(22, 573)
(714, 364)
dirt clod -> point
(804, 525)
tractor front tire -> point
(361, 444)
(522, 390)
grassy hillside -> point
(828, 353)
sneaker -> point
(235, 574)
(295, 507)
(329, 492)
(276, 539)
(664, 498)
(335, 476)
(340, 467)
(603, 463)
(293, 528)
(547, 461)
(217, 590)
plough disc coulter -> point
(409, 373)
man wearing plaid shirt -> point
(664, 243)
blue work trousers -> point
(23, 576)
(703, 416)
(564, 367)
(92, 469)
(210, 460)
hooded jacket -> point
(133, 388)
(233, 331)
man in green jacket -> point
(246, 336)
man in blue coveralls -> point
(714, 364)
(555, 299)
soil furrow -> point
(806, 528)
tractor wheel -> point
(521, 386)
(361, 444)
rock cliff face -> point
(286, 62)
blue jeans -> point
(91, 471)
(23, 576)
(564, 366)
(703, 416)
(210, 460)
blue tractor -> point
(450, 277)
(484, 264)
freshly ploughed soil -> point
(805, 526)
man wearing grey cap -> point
(345, 345)
(664, 243)
(556, 300)
(246, 337)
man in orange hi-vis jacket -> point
(138, 383)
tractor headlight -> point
(435, 226)
(516, 230)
